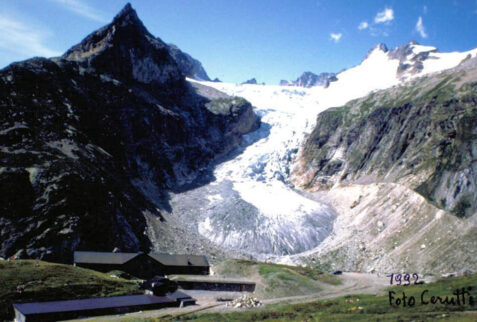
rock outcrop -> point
(90, 141)
(411, 60)
(309, 79)
(399, 167)
(421, 135)
(251, 81)
(188, 65)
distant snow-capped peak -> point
(414, 59)
(383, 67)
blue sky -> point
(237, 40)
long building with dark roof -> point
(143, 265)
(60, 310)
(182, 264)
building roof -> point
(103, 257)
(121, 258)
(180, 260)
(91, 304)
(209, 279)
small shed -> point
(72, 309)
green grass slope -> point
(273, 280)
(45, 281)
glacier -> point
(250, 205)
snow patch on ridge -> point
(378, 71)
(419, 48)
(441, 61)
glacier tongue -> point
(250, 206)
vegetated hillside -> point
(90, 141)
(422, 135)
(399, 166)
(274, 280)
(42, 281)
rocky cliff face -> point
(421, 135)
(399, 166)
(411, 61)
(309, 79)
(251, 81)
(91, 140)
(188, 65)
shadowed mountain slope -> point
(90, 141)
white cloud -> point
(81, 9)
(420, 28)
(23, 40)
(336, 37)
(363, 25)
(384, 16)
(424, 9)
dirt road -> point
(352, 283)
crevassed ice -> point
(288, 222)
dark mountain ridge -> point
(188, 65)
(90, 141)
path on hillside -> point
(352, 283)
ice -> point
(287, 221)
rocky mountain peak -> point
(412, 48)
(411, 57)
(382, 47)
(309, 79)
(401, 52)
(379, 47)
(127, 15)
(107, 129)
(126, 29)
(307, 75)
(126, 50)
(284, 82)
(251, 81)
